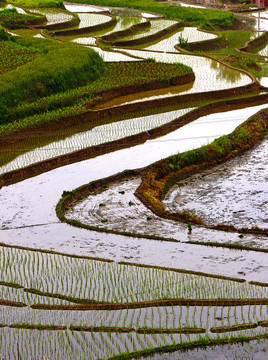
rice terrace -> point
(133, 179)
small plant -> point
(150, 60)
(104, 220)
(183, 43)
(101, 204)
(189, 226)
(66, 193)
(240, 236)
(104, 186)
(149, 218)
(121, 192)
(130, 203)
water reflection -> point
(224, 72)
(64, 141)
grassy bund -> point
(63, 306)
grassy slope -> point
(62, 66)
(39, 3)
(74, 101)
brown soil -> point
(145, 304)
(171, 331)
(223, 329)
(12, 303)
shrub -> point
(3, 35)
(183, 43)
(4, 113)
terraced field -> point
(88, 268)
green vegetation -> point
(72, 102)
(202, 17)
(13, 55)
(183, 43)
(11, 19)
(39, 3)
(58, 69)
(3, 35)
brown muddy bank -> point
(154, 303)
(159, 178)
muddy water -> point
(232, 193)
(121, 216)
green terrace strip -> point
(206, 18)
(162, 175)
(13, 55)
(39, 3)
(62, 66)
(254, 44)
(11, 19)
(203, 342)
(119, 78)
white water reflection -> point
(109, 56)
(87, 20)
(54, 16)
(264, 52)
(261, 20)
(192, 34)
(9, 6)
(156, 25)
(122, 24)
(79, 8)
(98, 135)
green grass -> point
(39, 3)
(204, 17)
(11, 19)
(62, 66)
(71, 102)
(13, 55)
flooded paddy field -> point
(232, 194)
(191, 34)
(70, 293)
